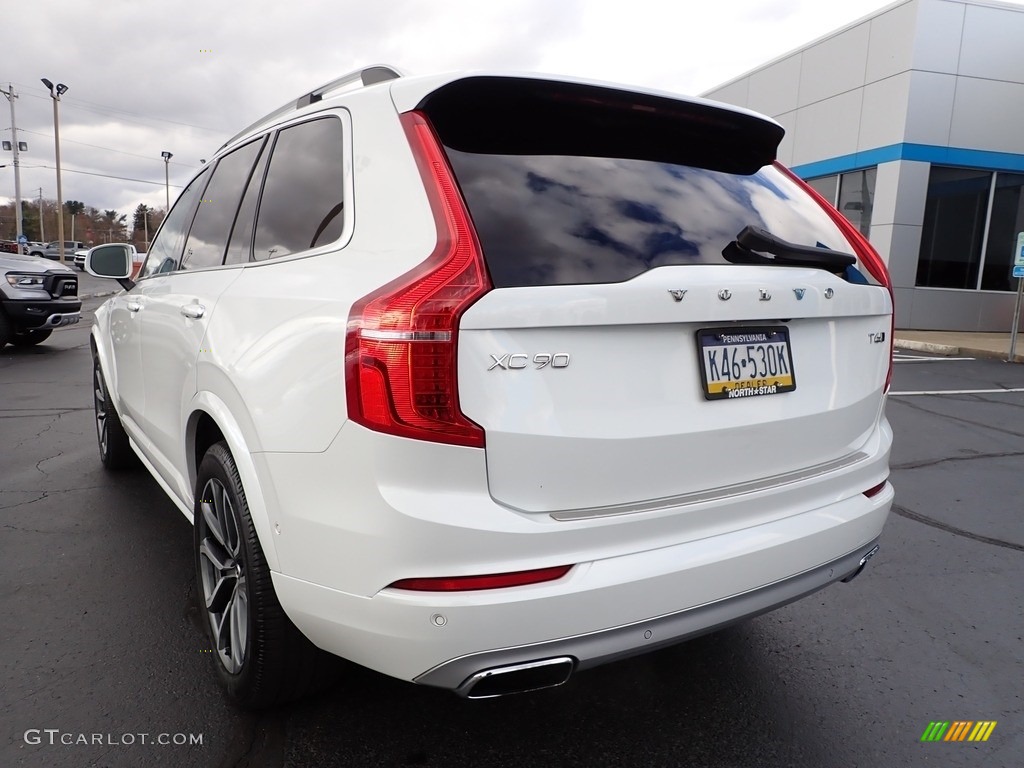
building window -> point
(826, 186)
(1007, 220)
(856, 198)
(971, 221)
(852, 193)
(954, 227)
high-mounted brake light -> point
(489, 581)
(865, 252)
(401, 372)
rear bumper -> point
(621, 642)
(602, 610)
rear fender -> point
(208, 403)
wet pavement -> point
(100, 638)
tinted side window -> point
(240, 247)
(216, 213)
(301, 206)
(165, 250)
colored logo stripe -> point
(982, 730)
(958, 730)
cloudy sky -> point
(183, 75)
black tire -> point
(6, 329)
(261, 657)
(30, 338)
(115, 451)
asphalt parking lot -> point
(99, 637)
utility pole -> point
(11, 96)
(42, 235)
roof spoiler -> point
(378, 73)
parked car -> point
(36, 296)
(80, 258)
(52, 250)
(479, 380)
(37, 249)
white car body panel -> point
(625, 421)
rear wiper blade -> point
(743, 249)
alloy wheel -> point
(223, 574)
(100, 406)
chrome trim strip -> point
(713, 494)
(606, 645)
(377, 335)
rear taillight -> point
(865, 253)
(489, 581)
(401, 373)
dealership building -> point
(911, 121)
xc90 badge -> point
(520, 360)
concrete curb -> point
(102, 295)
(948, 350)
(927, 346)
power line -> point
(104, 109)
(97, 146)
(103, 175)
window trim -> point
(348, 190)
(994, 175)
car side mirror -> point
(112, 261)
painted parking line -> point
(922, 359)
(957, 392)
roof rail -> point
(378, 73)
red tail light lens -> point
(490, 581)
(400, 353)
(865, 252)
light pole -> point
(55, 94)
(42, 235)
(11, 96)
(167, 179)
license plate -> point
(745, 362)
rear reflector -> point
(875, 489)
(489, 581)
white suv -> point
(478, 380)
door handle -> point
(134, 306)
(193, 311)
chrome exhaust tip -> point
(517, 678)
(863, 562)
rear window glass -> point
(558, 219)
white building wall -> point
(937, 73)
